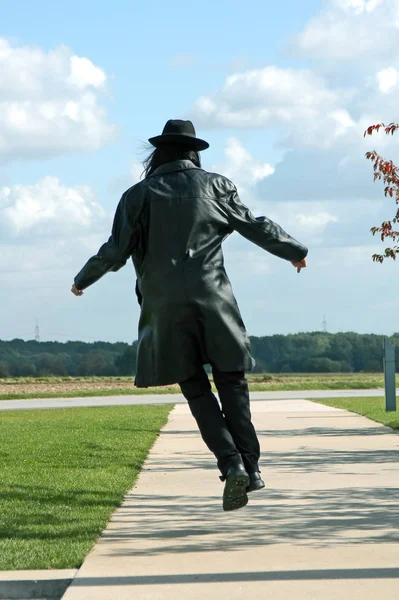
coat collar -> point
(173, 166)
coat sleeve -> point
(262, 231)
(115, 252)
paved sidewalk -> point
(325, 528)
(37, 403)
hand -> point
(75, 290)
(299, 264)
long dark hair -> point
(167, 153)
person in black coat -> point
(172, 224)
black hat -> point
(181, 132)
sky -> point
(282, 92)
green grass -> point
(373, 408)
(62, 474)
(316, 381)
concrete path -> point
(173, 398)
(325, 528)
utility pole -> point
(37, 332)
(325, 324)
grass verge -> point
(373, 408)
(63, 472)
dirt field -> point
(54, 386)
(64, 385)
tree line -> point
(19, 358)
(316, 352)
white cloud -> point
(348, 30)
(299, 102)
(47, 232)
(48, 209)
(359, 6)
(306, 221)
(387, 79)
(267, 96)
(84, 73)
(241, 166)
(315, 220)
(343, 121)
(49, 102)
(244, 170)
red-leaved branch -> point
(388, 172)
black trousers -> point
(228, 432)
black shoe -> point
(255, 482)
(235, 489)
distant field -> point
(61, 387)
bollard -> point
(389, 376)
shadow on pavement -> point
(300, 513)
(305, 575)
(318, 518)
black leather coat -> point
(173, 224)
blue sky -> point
(282, 91)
